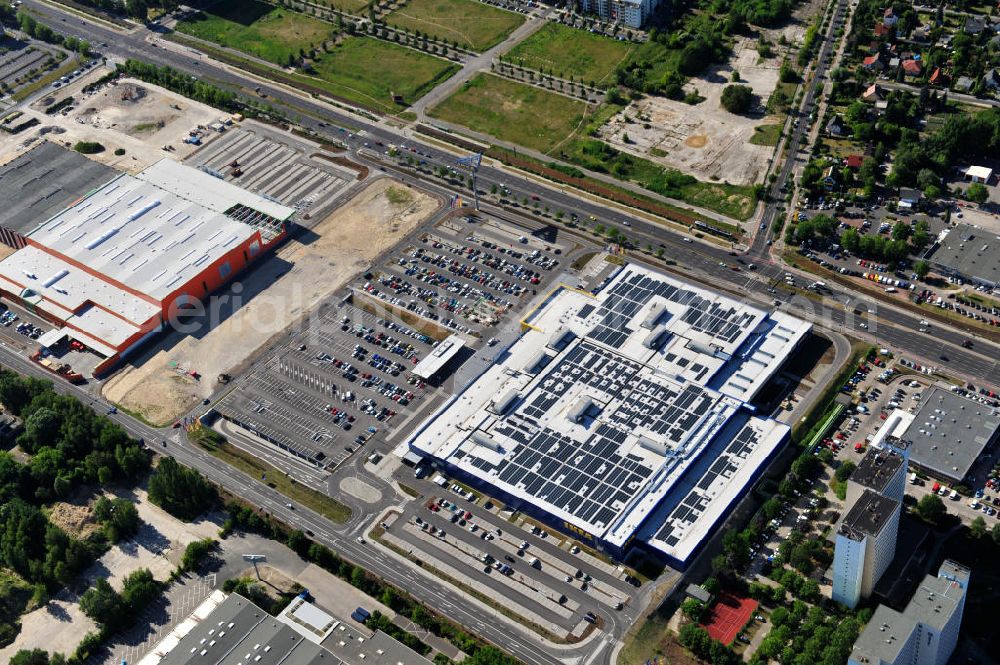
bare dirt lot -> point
(704, 140)
(134, 116)
(76, 519)
(265, 301)
(795, 29)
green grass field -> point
(566, 52)
(350, 6)
(768, 135)
(360, 70)
(367, 71)
(258, 29)
(513, 112)
(471, 24)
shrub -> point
(88, 147)
(737, 98)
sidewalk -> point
(474, 65)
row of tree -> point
(112, 609)
(44, 33)
(70, 446)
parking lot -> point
(541, 576)
(276, 165)
(25, 61)
(343, 379)
(464, 276)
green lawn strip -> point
(732, 201)
(512, 112)
(806, 427)
(471, 24)
(767, 135)
(564, 51)
(350, 68)
(349, 6)
(644, 639)
(215, 444)
(370, 71)
(781, 98)
(552, 123)
(575, 177)
(47, 79)
(258, 28)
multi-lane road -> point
(891, 327)
(888, 326)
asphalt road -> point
(892, 328)
(759, 248)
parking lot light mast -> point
(473, 162)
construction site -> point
(705, 140)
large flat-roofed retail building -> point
(39, 183)
(948, 434)
(110, 269)
(622, 416)
(231, 630)
(971, 253)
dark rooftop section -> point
(877, 468)
(44, 180)
(868, 516)
(949, 433)
(239, 632)
(971, 252)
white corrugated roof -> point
(207, 190)
(37, 275)
(141, 235)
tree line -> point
(70, 446)
(44, 33)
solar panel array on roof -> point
(629, 296)
(693, 505)
(591, 480)
(660, 409)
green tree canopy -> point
(737, 99)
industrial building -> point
(925, 632)
(945, 436)
(41, 182)
(866, 539)
(622, 416)
(112, 268)
(231, 630)
(969, 253)
(632, 13)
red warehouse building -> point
(109, 269)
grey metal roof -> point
(949, 432)
(142, 236)
(935, 602)
(44, 180)
(238, 632)
(970, 252)
(868, 516)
